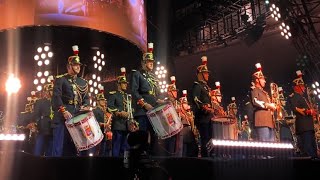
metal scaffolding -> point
(303, 16)
(223, 21)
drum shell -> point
(84, 131)
(165, 121)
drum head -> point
(78, 117)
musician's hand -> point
(271, 106)
(161, 101)
(124, 114)
(147, 106)
(109, 135)
(67, 115)
(310, 112)
(85, 108)
(30, 125)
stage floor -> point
(27, 167)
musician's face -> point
(219, 98)
(205, 76)
(149, 65)
(123, 86)
(261, 82)
(103, 103)
(74, 69)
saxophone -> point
(133, 125)
(276, 100)
(278, 111)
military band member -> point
(104, 118)
(245, 130)
(263, 108)
(117, 104)
(216, 100)
(202, 105)
(222, 124)
(286, 130)
(304, 118)
(232, 111)
(27, 125)
(43, 115)
(190, 133)
(146, 93)
(70, 96)
(174, 144)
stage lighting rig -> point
(96, 77)
(43, 58)
(161, 73)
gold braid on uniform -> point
(153, 82)
(80, 90)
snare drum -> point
(85, 131)
(165, 121)
(224, 127)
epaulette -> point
(61, 75)
(112, 92)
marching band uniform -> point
(70, 94)
(286, 129)
(27, 125)
(174, 144)
(43, 115)
(104, 119)
(263, 109)
(245, 130)
(220, 129)
(117, 102)
(232, 111)
(202, 105)
(304, 121)
(145, 93)
(190, 134)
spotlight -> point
(43, 55)
(46, 73)
(50, 54)
(39, 74)
(39, 63)
(12, 84)
(39, 49)
(285, 30)
(35, 82)
(46, 62)
(36, 57)
(39, 88)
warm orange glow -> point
(13, 84)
